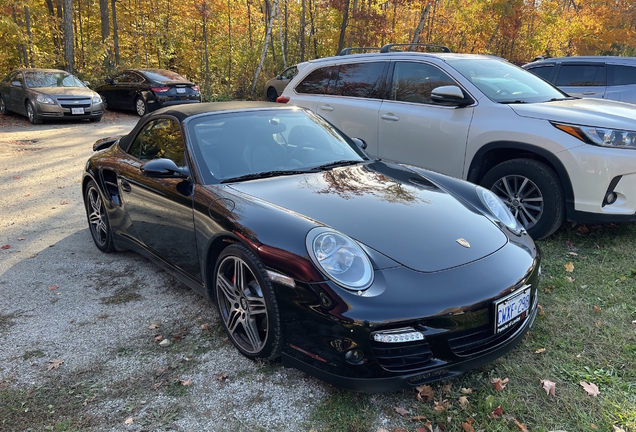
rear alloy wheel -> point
(32, 114)
(3, 107)
(272, 94)
(104, 103)
(247, 304)
(533, 193)
(140, 107)
(98, 218)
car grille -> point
(478, 341)
(402, 357)
(74, 102)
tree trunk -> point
(420, 26)
(79, 13)
(115, 33)
(143, 29)
(343, 27)
(204, 13)
(27, 19)
(69, 54)
(229, 38)
(282, 46)
(285, 46)
(302, 32)
(267, 35)
(312, 32)
(270, 14)
(103, 10)
(19, 47)
(249, 22)
(56, 41)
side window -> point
(620, 75)
(362, 80)
(319, 81)
(18, 77)
(289, 73)
(544, 72)
(134, 78)
(159, 139)
(414, 82)
(581, 75)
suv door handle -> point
(389, 117)
(588, 93)
(326, 107)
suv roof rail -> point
(387, 48)
(347, 51)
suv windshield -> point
(505, 83)
(51, 79)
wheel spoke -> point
(239, 275)
(256, 305)
(95, 219)
(532, 199)
(507, 186)
(233, 320)
(523, 185)
(527, 213)
(532, 207)
(226, 288)
(251, 331)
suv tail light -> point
(160, 89)
(195, 88)
(282, 99)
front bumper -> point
(47, 111)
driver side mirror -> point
(86, 83)
(16, 84)
(360, 143)
(164, 168)
(451, 95)
(279, 77)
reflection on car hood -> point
(64, 91)
(585, 112)
(388, 208)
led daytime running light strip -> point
(398, 336)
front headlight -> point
(342, 260)
(498, 209)
(45, 100)
(97, 99)
(600, 136)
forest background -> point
(224, 45)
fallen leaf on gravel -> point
(599, 324)
(569, 279)
(540, 308)
(446, 390)
(27, 195)
(573, 253)
(618, 429)
(468, 425)
(160, 371)
(6, 246)
(222, 376)
(87, 401)
(441, 406)
(593, 426)
(428, 428)
(597, 309)
(16, 177)
(129, 421)
(63, 203)
(54, 364)
(539, 351)
(154, 326)
(569, 267)
(591, 389)
(157, 385)
(53, 287)
(497, 412)
(467, 390)
(158, 338)
(418, 418)
(401, 411)
(520, 426)
(187, 382)
(400, 430)
(379, 430)
(20, 238)
(499, 384)
(549, 387)
(463, 401)
(425, 393)
(583, 229)
(60, 187)
(205, 326)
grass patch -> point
(122, 295)
(344, 412)
(33, 354)
(7, 320)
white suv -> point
(550, 157)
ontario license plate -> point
(512, 309)
(77, 110)
(180, 90)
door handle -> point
(588, 93)
(326, 107)
(389, 117)
(125, 186)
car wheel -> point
(96, 119)
(272, 94)
(3, 107)
(98, 218)
(32, 114)
(140, 106)
(533, 193)
(104, 103)
(247, 304)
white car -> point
(548, 156)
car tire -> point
(541, 210)
(272, 94)
(247, 308)
(97, 216)
(32, 114)
(3, 107)
(140, 107)
(96, 119)
(104, 103)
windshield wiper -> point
(518, 101)
(265, 174)
(560, 99)
(337, 164)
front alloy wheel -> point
(32, 114)
(98, 219)
(523, 198)
(246, 303)
(140, 107)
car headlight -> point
(340, 257)
(45, 100)
(498, 209)
(97, 99)
(600, 136)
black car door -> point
(161, 208)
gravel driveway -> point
(80, 330)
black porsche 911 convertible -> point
(369, 275)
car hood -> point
(64, 91)
(388, 208)
(585, 112)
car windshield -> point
(267, 143)
(163, 76)
(51, 79)
(504, 82)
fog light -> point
(354, 356)
(610, 198)
(408, 334)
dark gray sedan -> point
(43, 94)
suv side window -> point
(544, 72)
(319, 81)
(159, 138)
(362, 80)
(414, 82)
(581, 75)
(620, 75)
